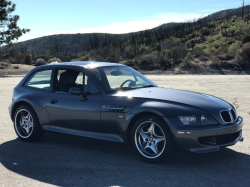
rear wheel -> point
(26, 124)
(152, 139)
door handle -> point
(53, 101)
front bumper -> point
(204, 139)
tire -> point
(151, 139)
(26, 124)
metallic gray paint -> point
(87, 118)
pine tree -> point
(9, 31)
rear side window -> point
(40, 80)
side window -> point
(79, 79)
(67, 79)
(90, 87)
(40, 80)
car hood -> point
(197, 100)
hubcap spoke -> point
(151, 129)
(23, 120)
(159, 139)
(144, 147)
(144, 136)
(28, 117)
(153, 148)
(27, 129)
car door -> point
(71, 111)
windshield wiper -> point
(147, 86)
(122, 88)
(129, 88)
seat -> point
(66, 81)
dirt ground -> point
(14, 69)
(59, 160)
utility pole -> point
(248, 8)
(243, 9)
(172, 61)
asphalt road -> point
(75, 161)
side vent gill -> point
(115, 108)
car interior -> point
(67, 79)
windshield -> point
(121, 78)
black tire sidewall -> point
(169, 142)
(37, 131)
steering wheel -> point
(129, 80)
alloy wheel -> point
(150, 139)
(24, 123)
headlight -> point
(198, 120)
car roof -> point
(88, 64)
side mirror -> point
(75, 91)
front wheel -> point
(152, 139)
(26, 124)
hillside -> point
(75, 42)
(72, 42)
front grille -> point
(226, 116)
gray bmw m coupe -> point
(113, 102)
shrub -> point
(203, 58)
(215, 62)
(228, 57)
(225, 57)
(246, 39)
(234, 18)
(177, 53)
(243, 55)
(54, 60)
(230, 41)
(111, 59)
(188, 65)
(216, 44)
(222, 49)
(145, 62)
(217, 30)
(19, 58)
(27, 60)
(84, 58)
(164, 62)
(224, 25)
(233, 48)
(211, 39)
(40, 62)
(130, 63)
(205, 31)
(198, 51)
(188, 57)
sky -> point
(48, 17)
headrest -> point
(66, 78)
